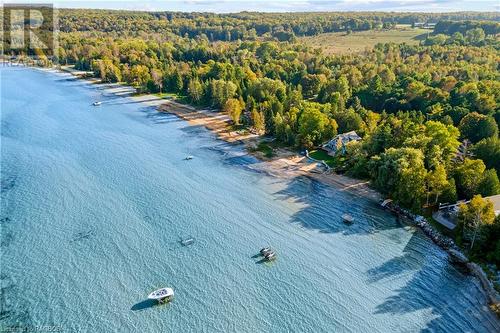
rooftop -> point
(495, 199)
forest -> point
(244, 25)
(429, 114)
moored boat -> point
(162, 295)
(347, 218)
(265, 250)
(96, 103)
(269, 256)
(187, 241)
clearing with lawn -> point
(358, 41)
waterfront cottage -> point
(447, 214)
(339, 142)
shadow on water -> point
(159, 117)
(4, 220)
(411, 260)
(266, 262)
(432, 292)
(430, 282)
(6, 129)
(193, 129)
(143, 305)
(79, 236)
(12, 311)
(6, 236)
(69, 79)
(324, 207)
(262, 260)
(7, 183)
(434, 285)
(127, 102)
(232, 154)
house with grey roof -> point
(447, 215)
(339, 142)
(495, 199)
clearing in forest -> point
(358, 41)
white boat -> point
(187, 242)
(265, 250)
(347, 218)
(269, 256)
(189, 157)
(96, 103)
(163, 294)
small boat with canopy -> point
(162, 295)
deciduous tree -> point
(233, 108)
(473, 217)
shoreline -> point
(286, 164)
(455, 254)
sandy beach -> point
(301, 166)
(285, 163)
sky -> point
(226, 6)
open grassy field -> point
(343, 43)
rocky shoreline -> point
(455, 253)
(219, 126)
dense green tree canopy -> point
(417, 108)
(400, 173)
(476, 127)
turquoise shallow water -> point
(95, 200)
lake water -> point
(96, 199)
